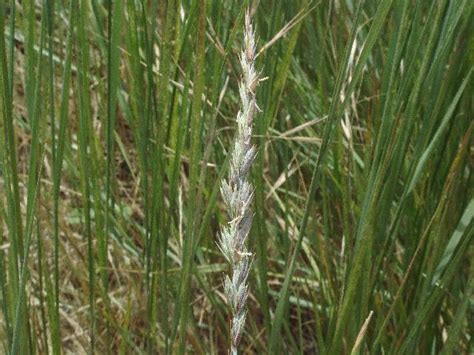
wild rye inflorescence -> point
(237, 192)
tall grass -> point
(115, 120)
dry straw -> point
(237, 192)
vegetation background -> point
(116, 120)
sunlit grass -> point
(116, 122)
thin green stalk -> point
(195, 148)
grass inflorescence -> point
(237, 192)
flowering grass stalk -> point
(237, 192)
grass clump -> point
(117, 127)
